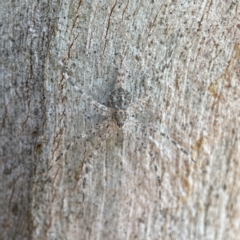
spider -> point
(119, 115)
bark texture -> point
(26, 30)
(184, 55)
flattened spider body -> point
(120, 100)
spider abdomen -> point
(120, 117)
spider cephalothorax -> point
(120, 99)
(120, 117)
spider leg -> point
(84, 135)
(151, 129)
(175, 143)
(98, 107)
(120, 81)
(92, 131)
(138, 105)
(87, 157)
(76, 138)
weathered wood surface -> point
(187, 53)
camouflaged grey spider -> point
(120, 100)
(117, 116)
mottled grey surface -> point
(25, 32)
(184, 55)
